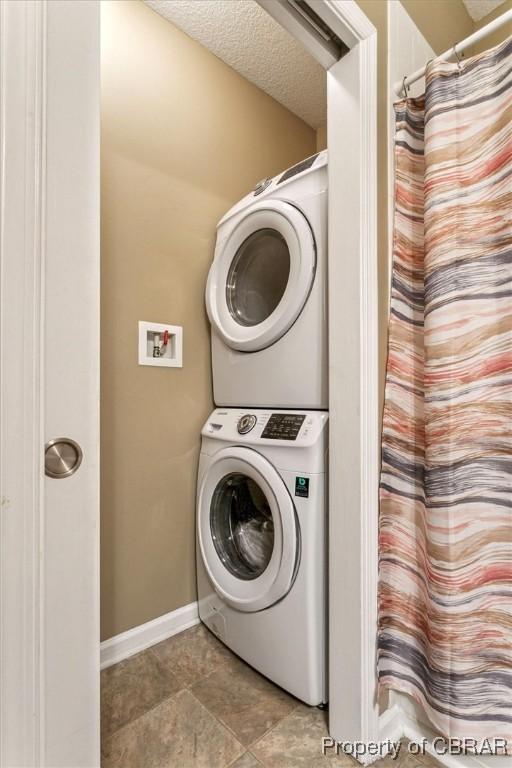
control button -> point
(246, 423)
(261, 186)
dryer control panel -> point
(261, 426)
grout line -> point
(143, 714)
(224, 663)
(198, 703)
(247, 752)
(222, 725)
(269, 730)
(182, 687)
(209, 674)
(226, 725)
(188, 686)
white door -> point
(261, 276)
(248, 530)
(49, 355)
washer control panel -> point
(266, 427)
(246, 423)
(283, 426)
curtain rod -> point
(401, 86)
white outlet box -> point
(172, 355)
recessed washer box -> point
(171, 355)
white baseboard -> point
(391, 731)
(145, 635)
(391, 724)
(403, 719)
(417, 731)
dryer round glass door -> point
(247, 529)
(261, 276)
(258, 277)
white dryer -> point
(261, 549)
(266, 294)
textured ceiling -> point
(477, 9)
(244, 36)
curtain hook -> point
(459, 60)
(405, 86)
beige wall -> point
(496, 37)
(441, 22)
(321, 137)
(183, 138)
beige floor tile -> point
(390, 762)
(296, 742)
(408, 760)
(424, 761)
(131, 688)
(243, 700)
(192, 654)
(246, 761)
(178, 733)
(402, 761)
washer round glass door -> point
(242, 526)
(248, 531)
(261, 276)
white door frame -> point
(49, 365)
(354, 430)
(353, 378)
(22, 77)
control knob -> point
(261, 186)
(246, 423)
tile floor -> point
(190, 703)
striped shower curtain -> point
(445, 588)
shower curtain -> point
(445, 583)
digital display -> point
(295, 169)
(283, 426)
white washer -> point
(261, 550)
(266, 294)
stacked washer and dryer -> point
(262, 491)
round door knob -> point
(62, 457)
